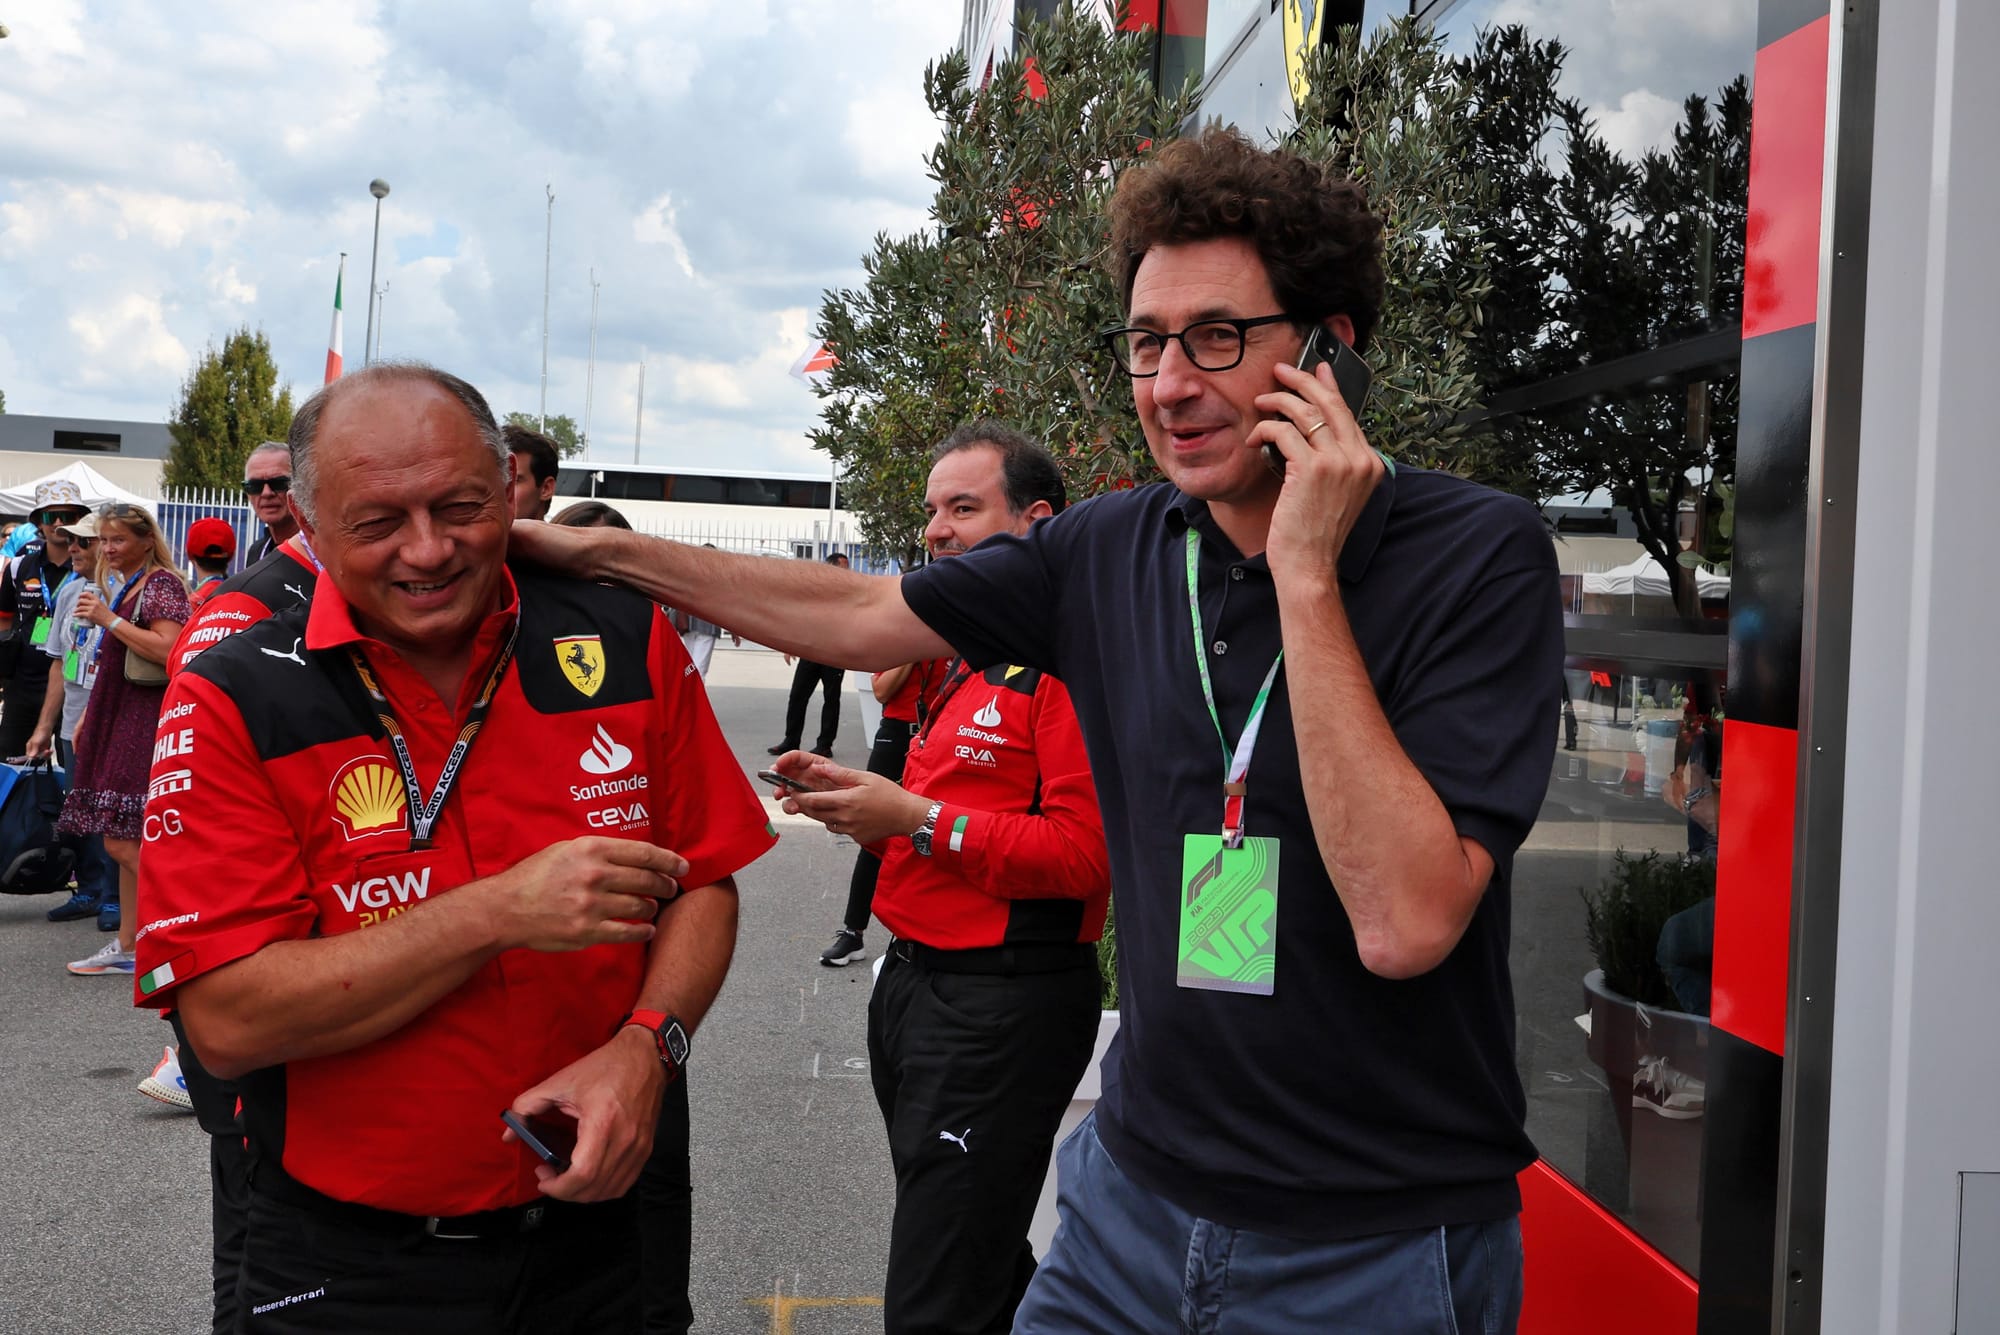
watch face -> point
(675, 1039)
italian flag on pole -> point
(333, 339)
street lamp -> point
(378, 188)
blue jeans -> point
(1126, 1260)
(96, 873)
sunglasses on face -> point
(254, 486)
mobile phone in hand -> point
(786, 782)
(551, 1139)
(1351, 377)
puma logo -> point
(292, 657)
(297, 593)
(958, 1140)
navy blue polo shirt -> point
(1345, 1104)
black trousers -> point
(972, 1072)
(666, 1219)
(805, 677)
(309, 1270)
(214, 1101)
(892, 748)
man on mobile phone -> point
(1321, 716)
(351, 892)
(994, 879)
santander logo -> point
(604, 756)
(989, 715)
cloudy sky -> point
(171, 172)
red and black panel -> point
(1766, 625)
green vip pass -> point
(1229, 915)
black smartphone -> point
(550, 1139)
(1350, 375)
(772, 776)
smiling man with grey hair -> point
(360, 894)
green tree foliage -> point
(1394, 112)
(1596, 257)
(3, 401)
(230, 403)
(562, 430)
(995, 307)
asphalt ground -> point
(105, 1192)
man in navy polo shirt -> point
(1320, 710)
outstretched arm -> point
(815, 611)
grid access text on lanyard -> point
(1236, 761)
(423, 815)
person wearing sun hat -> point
(72, 672)
(28, 591)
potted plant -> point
(1652, 1045)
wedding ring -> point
(1314, 427)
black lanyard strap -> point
(424, 815)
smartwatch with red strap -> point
(669, 1038)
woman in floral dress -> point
(114, 743)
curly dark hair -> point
(1320, 242)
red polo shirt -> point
(1019, 853)
(276, 813)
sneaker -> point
(823, 751)
(107, 916)
(1670, 1093)
(108, 959)
(846, 949)
(78, 905)
(166, 1083)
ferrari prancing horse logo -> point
(582, 660)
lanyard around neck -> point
(1235, 760)
(424, 815)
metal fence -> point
(178, 508)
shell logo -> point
(368, 798)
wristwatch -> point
(669, 1037)
(921, 839)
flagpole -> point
(639, 423)
(590, 372)
(378, 188)
(548, 248)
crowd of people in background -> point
(92, 601)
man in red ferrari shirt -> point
(368, 919)
(994, 880)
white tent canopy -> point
(1644, 578)
(96, 489)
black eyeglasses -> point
(1212, 345)
(254, 486)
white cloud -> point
(131, 337)
(1642, 120)
(657, 226)
(168, 174)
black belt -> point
(1026, 957)
(267, 1179)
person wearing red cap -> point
(210, 544)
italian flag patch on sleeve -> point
(164, 976)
